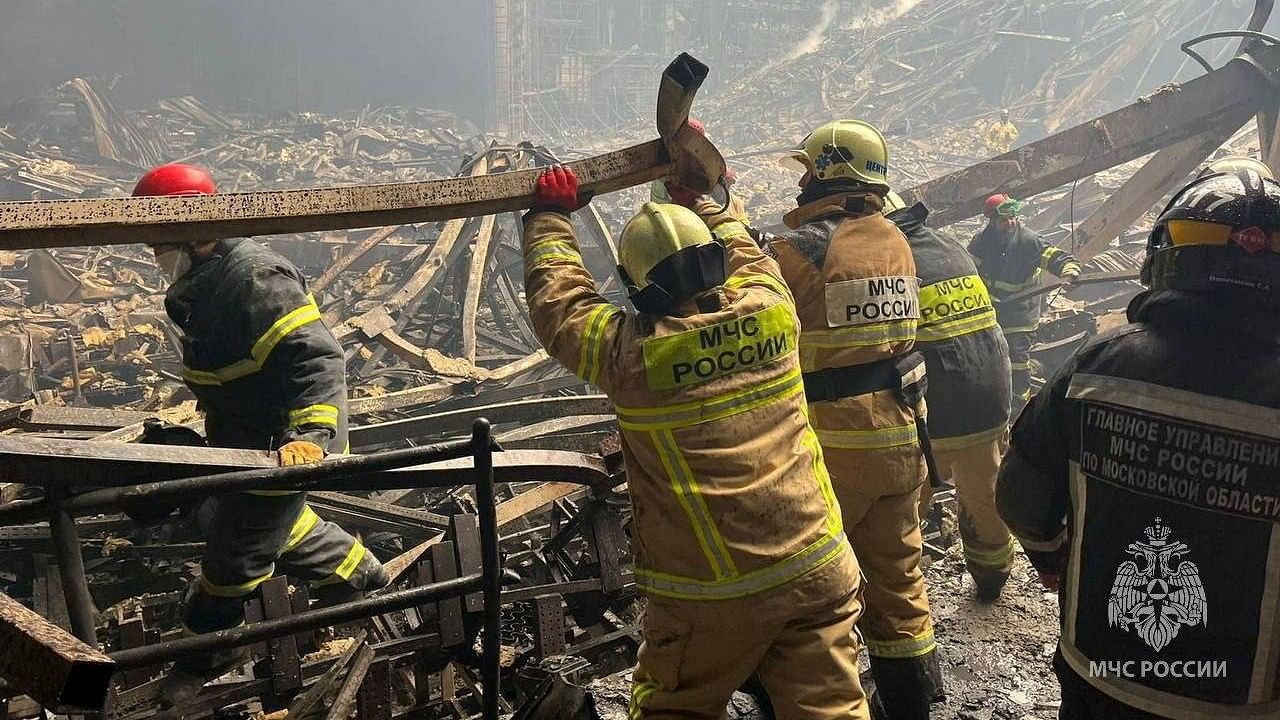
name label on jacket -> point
(872, 300)
(704, 354)
(952, 298)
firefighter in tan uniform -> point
(738, 540)
(857, 296)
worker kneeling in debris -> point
(1144, 480)
(268, 375)
(857, 296)
(968, 363)
(1010, 258)
(738, 542)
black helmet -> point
(1221, 235)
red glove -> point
(682, 196)
(557, 191)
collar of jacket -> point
(828, 205)
(1222, 319)
(910, 219)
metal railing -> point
(386, 470)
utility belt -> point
(904, 375)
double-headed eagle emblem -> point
(1157, 592)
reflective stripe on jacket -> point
(1013, 265)
(964, 350)
(857, 296)
(263, 365)
(727, 481)
(1147, 473)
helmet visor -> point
(1184, 233)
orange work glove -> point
(300, 452)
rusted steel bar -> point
(490, 669)
(49, 417)
(47, 663)
(75, 586)
(1224, 98)
(310, 620)
(456, 421)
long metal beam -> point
(679, 152)
(45, 662)
(1224, 98)
(457, 421)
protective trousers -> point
(251, 537)
(972, 464)
(1020, 367)
(799, 638)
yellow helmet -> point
(666, 254)
(1235, 164)
(893, 202)
(850, 149)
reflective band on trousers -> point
(999, 558)
(820, 552)
(875, 439)
(922, 644)
(716, 408)
(639, 694)
(261, 349)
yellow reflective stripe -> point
(232, 591)
(281, 328)
(859, 335)
(713, 351)
(922, 644)
(939, 330)
(835, 519)
(956, 442)
(752, 279)
(1050, 253)
(685, 486)
(876, 439)
(639, 694)
(592, 338)
(820, 552)
(301, 528)
(260, 350)
(553, 249)
(1044, 546)
(314, 414)
(350, 562)
(1027, 284)
(564, 240)
(999, 558)
(1020, 366)
(671, 417)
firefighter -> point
(968, 367)
(268, 375)
(857, 296)
(1143, 480)
(737, 536)
(1001, 135)
(1010, 258)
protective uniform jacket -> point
(727, 482)
(857, 296)
(1010, 266)
(964, 350)
(1148, 474)
(265, 369)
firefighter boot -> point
(190, 674)
(906, 686)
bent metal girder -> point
(679, 152)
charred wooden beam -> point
(50, 665)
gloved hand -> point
(557, 191)
(300, 452)
(1071, 278)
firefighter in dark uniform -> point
(1144, 480)
(1010, 258)
(968, 395)
(268, 375)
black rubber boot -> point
(906, 686)
(190, 674)
(989, 582)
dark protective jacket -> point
(1147, 473)
(1009, 266)
(261, 362)
(964, 350)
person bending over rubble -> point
(739, 545)
(268, 375)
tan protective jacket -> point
(728, 486)
(848, 274)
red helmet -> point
(994, 202)
(175, 179)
